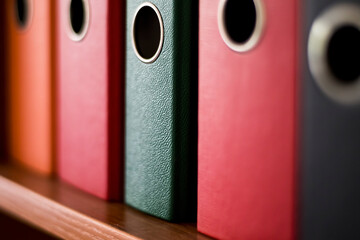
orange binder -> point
(30, 31)
(2, 84)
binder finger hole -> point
(241, 23)
(148, 33)
(78, 19)
(239, 19)
(344, 47)
(77, 15)
(333, 48)
(22, 12)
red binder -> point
(247, 121)
(90, 143)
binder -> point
(161, 108)
(2, 83)
(247, 119)
(90, 101)
(330, 165)
(30, 59)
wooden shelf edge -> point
(62, 210)
(51, 216)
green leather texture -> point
(161, 117)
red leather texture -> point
(90, 87)
(247, 129)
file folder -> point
(30, 59)
(161, 108)
(247, 119)
(90, 95)
(330, 192)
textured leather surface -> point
(247, 136)
(31, 59)
(330, 193)
(90, 87)
(161, 105)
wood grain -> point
(51, 216)
(67, 212)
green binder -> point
(161, 108)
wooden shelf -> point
(66, 212)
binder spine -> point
(90, 96)
(157, 154)
(30, 101)
(331, 109)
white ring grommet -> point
(78, 36)
(256, 35)
(322, 30)
(161, 38)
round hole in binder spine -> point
(79, 17)
(23, 12)
(333, 48)
(147, 32)
(343, 48)
(241, 23)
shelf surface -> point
(66, 212)
(17, 229)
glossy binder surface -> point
(30, 60)
(330, 183)
(90, 88)
(161, 107)
(247, 122)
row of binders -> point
(242, 114)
